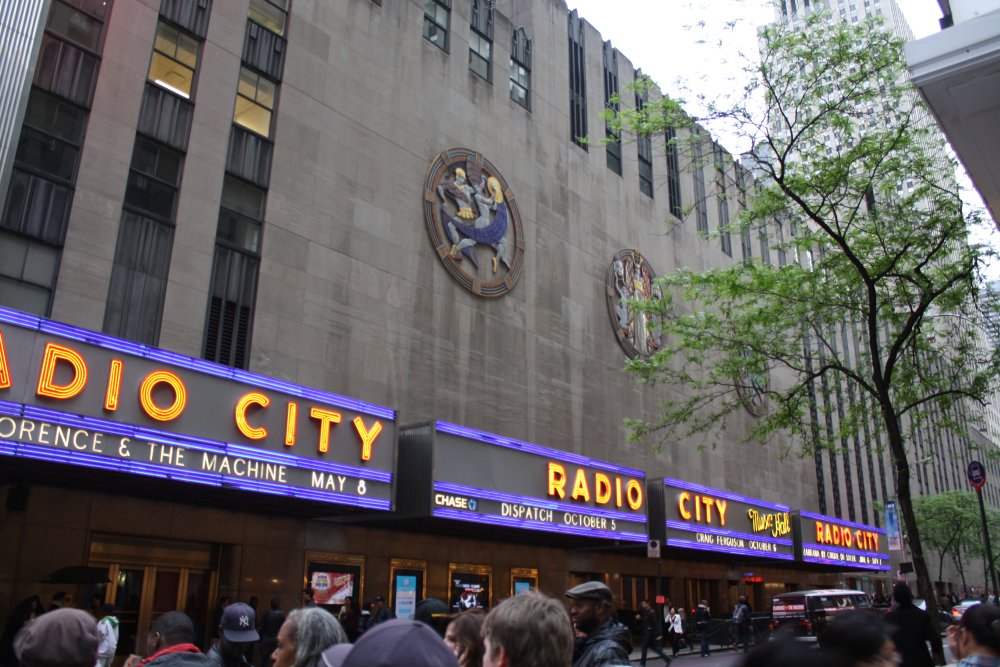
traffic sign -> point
(977, 475)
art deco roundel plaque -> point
(473, 222)
(631, 278)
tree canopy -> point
(876, 295)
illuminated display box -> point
(82, 398)
(831, 541)
(459, 473)
(692, 516)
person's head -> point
(901, 593)
(276, 603)
(644, 605)
(858, 639)
(60, 638)
(174, 627)
(304, 635)
(978, 632)
(464, 637)
(590, 606)
(399, 642)
(433, 612)
(785, 651)
(237, 628)
(106, 609)
(307, 594)
(96, 600)
(743, 599)
(59, 598)
(379, 602)
(528, 630)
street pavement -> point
(718, 658)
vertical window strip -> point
(644, 145)
(673, 173)
(577, 82)
(613, 145)
(481, 39)
(700, 205)
(520, 68)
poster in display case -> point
(334, 578)
(407, 586)
(522, 580)
(470, 586)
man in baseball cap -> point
(600, 640)
(237, 629)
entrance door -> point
(149, 579)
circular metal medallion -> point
(751, 387)
(473, 222)
(631, 278)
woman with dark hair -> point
(464, 637)
(25, 611)
(975, 641)
(859, 639)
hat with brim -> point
(335, 655)
(239, 623)
(591, 590)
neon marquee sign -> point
(87, 399)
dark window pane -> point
(243, 198)
(98, 8)
(239, 230)
(150, 196)
(74, 25)
(138, 279)
(55, 117)
(156, 160)
(37, 207)
(41, 152)
(230, 308)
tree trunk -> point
(925, 587)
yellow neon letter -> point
(683, 498)
(633, 493)
(580, 489)
(602, 488)
(146, 396)
(46, 378)
(290, 417)
(4, 368)
(114, 385)
(325, 417)
(367, 437)
(557, 480)
(240, 414)
(721, 505)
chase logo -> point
(457, 502)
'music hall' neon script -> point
(112, 442)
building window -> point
(230, 307)
(746, 243)
(644, 144)
(175, 58)
(577, 83)
(436, 16)
(613, 143)
(725, 238)
(272, 14)
(138, 278)
(700, 205)
(673, 173)
(254, 102)
(75, 25)
(765, 248)
(153, 179)
(481, 39)
(779, 229)
(520, 68)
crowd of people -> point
(527, 630)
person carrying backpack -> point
(741, 619)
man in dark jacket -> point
(701, 620)
(912, 629)
(651, 631)
(170, 643)
(600, 640)
(237, 631)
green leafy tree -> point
(950, 526)
(880, 297)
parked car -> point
(805, 613)
(961, 608)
